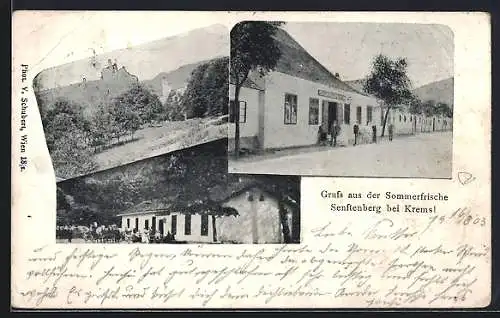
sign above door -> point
(331, 95)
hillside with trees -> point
(439, 91)
(207, 92)
(176, 79)
(88, 133)
(190, 179)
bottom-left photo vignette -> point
(185, 196)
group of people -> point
(93, 232)
(325, 138)
(330, 137)
(65, 232)
(111, 233)
(148, 236)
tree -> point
(389, 83)
(67, 135)
(193, 99)
(118, 113)
(102, 128)
(126, 120)
(133, 108)
(140, 100)
(429, 108)
(444, 109)
(132, 122)
(73, 113)
(216, 82)
(174, 108)
(207, 90)
(253, 48)
(416, 106)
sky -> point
(349, 48)
(346, 48)
(62, 38)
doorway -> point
(329, 112)
(160, 226)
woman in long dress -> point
(145, 236)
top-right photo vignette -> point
(341, 99)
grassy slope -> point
(154, 141)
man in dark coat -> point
(321, 135)
(356, 133)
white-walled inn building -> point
(286, 107)
(254, 218)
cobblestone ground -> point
(427, 155)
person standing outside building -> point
(391, 131)
(145, 235)
(321, 135)
(374, 134)
(356, 133)
(335, 132)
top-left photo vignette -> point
(117, 107)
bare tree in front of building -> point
(253, 48)
(389, 82)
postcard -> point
(197, 160)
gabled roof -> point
(253, 81)
(155, 205)
(184, 205)
(209, 205)
(296, 61)
(224, 192)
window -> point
(290, 109)
(174, 224)
(187, 224)
(369, 114)
(204, 225)
(153, 223)
(146, 224)
(405, 118)
(359, 113)
(399, 118)
(128, 223)
(347, 114)
(243, 111)
(313, 111)
(137, 223)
